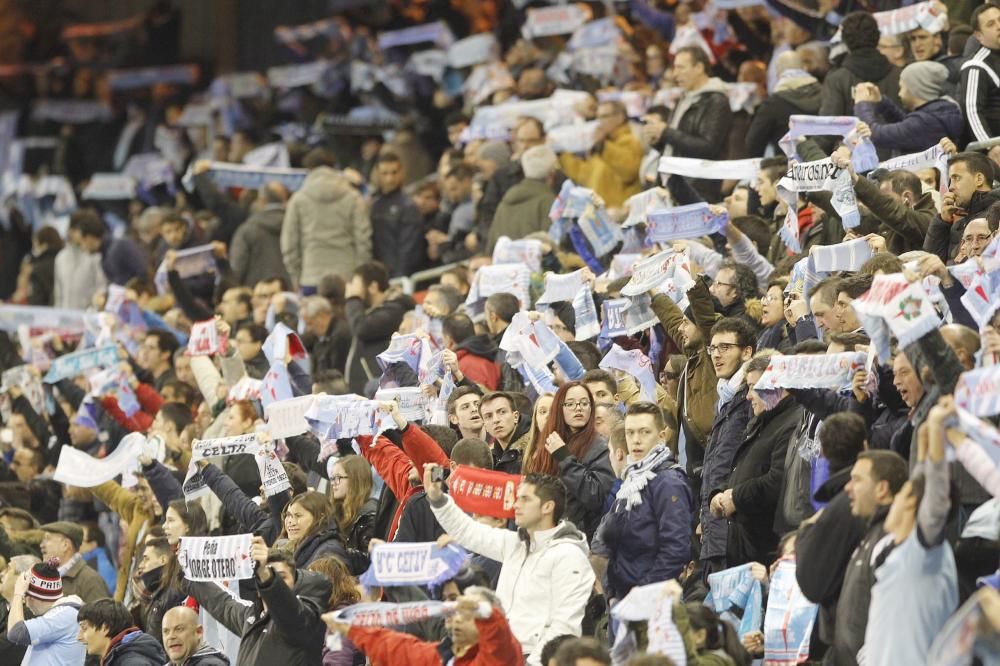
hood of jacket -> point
(867, 64)
(479, 345)
(564, 532)
(269, 218)
(206, 654)
(527, 190)
(325, 185)
(805, 97)
(313, 587)
(135, 642)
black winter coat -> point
(289, 633)
(588, 481)
(330, 351)
(728, 429)
(136, 648)
(42, 278)
(756, 478)
(943, 239)
(865, 65)
(703, 133)
(770, 120)
(327, 541)
(372, 330)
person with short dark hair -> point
(545, 586)
(109, 632)
(585, 651)
(970, 177)
(255, 252)
(397, 226)
(502, 422)
(646, 535)
(374, 314)
(979, 93)
(863, 64)
(475, 354)
(156, 357)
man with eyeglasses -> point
(975, 238)
(733, 344)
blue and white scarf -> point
(637, 476)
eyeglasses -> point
(978, 238)
(337, 479)
(575, 405)
(721, 348)
(724, 284)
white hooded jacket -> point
(545, 581)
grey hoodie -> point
(326, 228)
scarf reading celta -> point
(638, 474)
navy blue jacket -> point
(912, 132)
(727, 434)
(652, 542)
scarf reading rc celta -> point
(638, 474)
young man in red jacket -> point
(478, 635)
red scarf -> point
(484, 492)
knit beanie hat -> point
(925, 80)
(495, 151)
(45, 582)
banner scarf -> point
(411, 400)
(109, 187)
(527, 251)
(226, 175)
(113, 381)
(273, 477)
(813, 177)
(226, 446)
(981, 433)
(788, 621)
(530, 342)
(561, 287)
(473, 50)
(639, 205)
(923, 15)
(577, 139)
(423, 564)
(71, 365)
(29, 384)
(303, 33)
(76, 468)
(621, 264)
(933, 157)
(436, 33)
(960, 639)
(145, 77)
(613, 316)
(683, 223)
(634, 363)
(281, 347)
(70, 111)
(651, 272)
(296, 76)
(664, 636)
(205, 339)
(583, 249)
(863, 155)
(978, 391)
(602, 234)
(245, 389)
(216, 558)
(381, 614)
(639, 315)
(416, 352)
(287, 417)
(895, 306)
(189, 263)
(332, 417)
(803, 278)
(512, 278)
(827, 371)
(39, 318)
(587, 325)
(847, 256)
(547, 21)
(735, 588)
(484, 491)
(710, 169)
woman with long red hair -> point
(572, 450)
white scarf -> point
(69, 564)
(728, 388)
(638, 474)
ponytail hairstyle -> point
(719, 635)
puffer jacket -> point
(326, 228)
(911, 132)
(611, 170)
(326, 541)
(588, 481)
(650, 542)
(727, 433)
(290, 632)
(545, 580)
